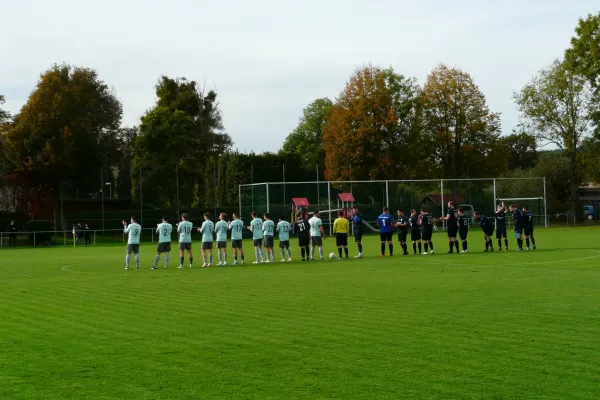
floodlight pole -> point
(545, 207)
(387, 195)
(442, 200)
(267, 197)
(240, 199)
(495, 198)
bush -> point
(39, 226)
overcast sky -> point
(268, 59)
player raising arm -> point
(236, 226)
(185, 239)
(284, 228)
(134, 231)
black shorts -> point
(501, 232)
(258, 242)
(386, 236)
(528, 231)
(164, 247)
(316, 241)
(341, 239)
(304, 241)
(269, 242)
(415, 235)
(284, 244)
(518, 230)
(133, 248)
(489, 232)
(463, 235)
(427, 234)
(222, 244)
(236, 243)
(207, 245)
(185, 246)
(452, 231)
(358, 237)
(402, 237)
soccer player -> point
(463, 230)
(164, 230)
(528, 227)
(317, 233)
(221, 229)
(402, 226)
(185, 239)
(207, 229)
(501, 226)
(237, 227)
(341, 228)
(427, 225)
(134, 230)
(268, 233)
(452, 230)
(302, 230)
(385, 222)
(284, 228)
(358, 230)
(488, 229)
(415, 232)
(256, 227)
(518, 220)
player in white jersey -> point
(256, 227)
(237, 227)
(164, 231)
(184, 229)
(317, 234)
(134, 231)
(284, 228)
(207, 229)
(221, 229)
(269, 232)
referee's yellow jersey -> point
(341, 225)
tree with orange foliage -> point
(458, 123)
(370, 126)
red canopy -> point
(346, 197)
(300, 201)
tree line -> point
(68, 140)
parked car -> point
(468, 211)
(590, 212)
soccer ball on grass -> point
(332, 255)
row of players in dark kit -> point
(421, 227)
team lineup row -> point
(311, 233)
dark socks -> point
(464, 245)
(500, 244)
(383, 249)
(346, 252)
(430, 246)
(520, 243)
(420, 247)
(506, 244)
(414, 247)
(360, 248)
(405, 248)
(180, 260)
(391, 247)
(303, 252)
(456, 245)
(451, 247)
(532, 241)
(340, 251)
(487, 246)
(426, 247)
(527, 242)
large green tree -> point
(306, 141)
(557, 106)
(176, 138)
(459, 125)
(521, 150)
(64, 133)
(373, 127)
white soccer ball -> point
(332, 255)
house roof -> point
(300, 201)
(346, 197)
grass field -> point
(75, 325)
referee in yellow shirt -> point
(341, 228)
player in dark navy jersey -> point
(357, 221)
(415, 231)
(501, 226)
(488, 229)
(528, 227)
(452, 226)
(427, 224)
(402, 227)
(518, 220)
(463, 229)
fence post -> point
(64, 238)
(94, 238)
(545, 207)
(387, 195)
(33, 239)
(240, 199)
(1, 243)
(267, 197)
(329, 204)
(442, 200)
(495, 198)
(152, 233)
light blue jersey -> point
(315, 226)
(207, 229)
(164, 232)
(236, 226)
(134, 230)
(284, 229)
(269, 228)
(185, 232)
(221, 228)
(257, 231)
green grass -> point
(75, 325)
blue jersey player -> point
(386, 234)
(357, 221)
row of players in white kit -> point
(261, 231)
